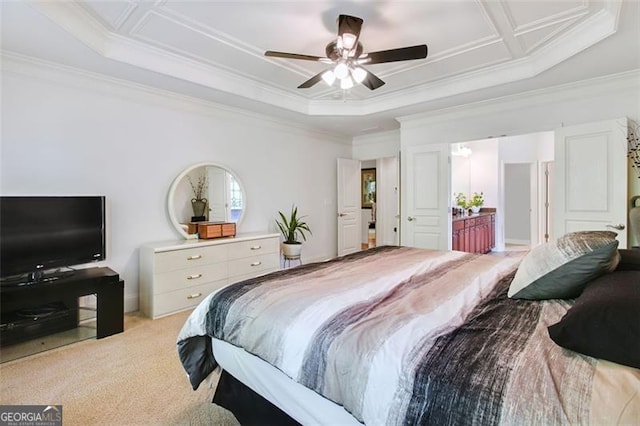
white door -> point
(349, 215)
(426, 220)
(591, 178)
(217, 194)
(387, 201)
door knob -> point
(341, 214)
(619, 227)
(411, 218)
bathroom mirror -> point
(205, 192)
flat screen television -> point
(41, 233)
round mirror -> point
(205, 192)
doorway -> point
(509, 172)
(517, 206)
(380, 219)
(354, 222)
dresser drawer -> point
(183, 278)
(252, 266)
(174, 301)
(177, 275)
(188, 258)
(253, 248)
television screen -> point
(39, 233)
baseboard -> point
(517, 242)
(131, 303)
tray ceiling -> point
(215, 49)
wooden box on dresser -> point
(177, 275)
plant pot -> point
(291, 250)
(199, 206)
(475, 209)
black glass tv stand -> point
(101, 281)
(36, 277)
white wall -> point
(67, 132)
(376, 145)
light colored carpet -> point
(132, 378)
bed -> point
(400, 335)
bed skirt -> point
(247, 406)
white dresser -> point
(177, 275)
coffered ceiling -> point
(214, 50)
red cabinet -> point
(474, 234)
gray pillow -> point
(561, 269)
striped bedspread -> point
(400, 335)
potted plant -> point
(291, 228)
(461, 200)
(199, 203)
(476, 202)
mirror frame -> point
(174, 185)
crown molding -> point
(377, 138)
(27, 66)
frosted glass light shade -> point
(348, 41)
(358, 74)
(346, 83)
(329, 77)
(341, 70)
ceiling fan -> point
(347, 57)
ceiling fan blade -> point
(351, 25)
(293, 56)
(372, 81)
(312, 81)
(394, 55)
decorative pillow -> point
(629, 260)
(605, 320)
(561, 269)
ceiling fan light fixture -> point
(358, 74)
(348, 41)
(346, 83)
(346, 55)
(329, 77)
(341, 70)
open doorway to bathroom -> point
(513, 173)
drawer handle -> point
(194, 257)
(256, 263)
(194, 296)
(256, 247)
(194, 277)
